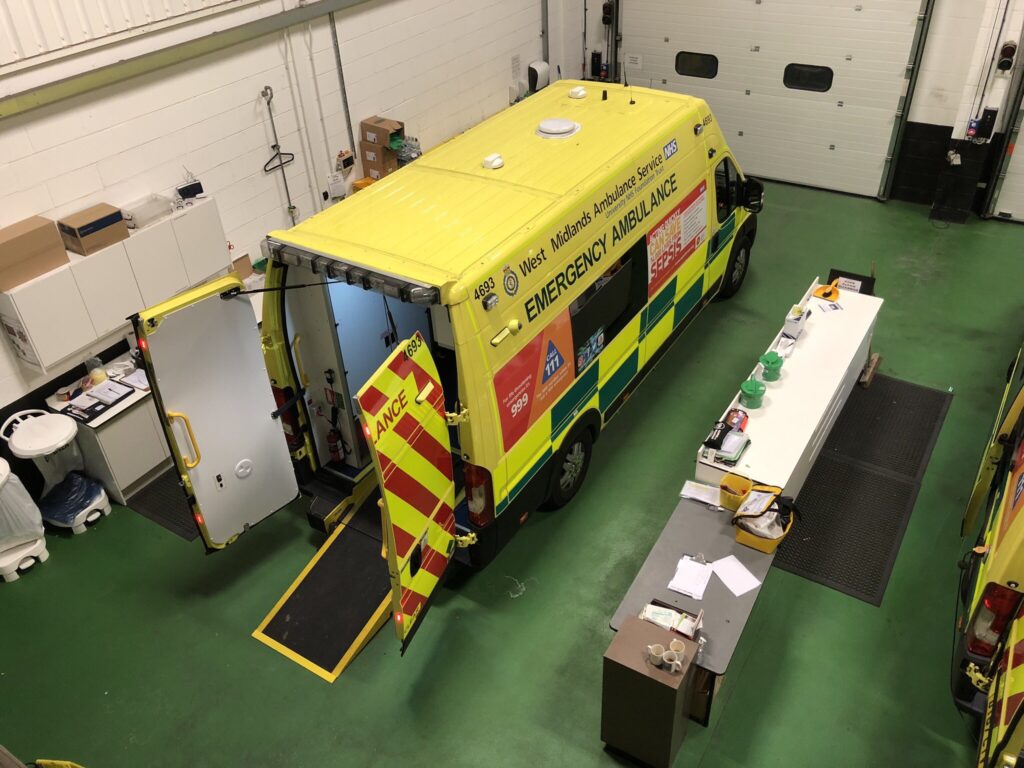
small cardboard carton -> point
(28, 249)
(243, 266)
(93, 229)
(382, 132)
(378, 161)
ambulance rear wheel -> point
(736, 269)
(570, 468)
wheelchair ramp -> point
(338, 602)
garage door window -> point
(696, 64)
(725, 189)
(807, 77)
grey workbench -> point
(695, 528)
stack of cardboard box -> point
(37, 245)
(379, 142)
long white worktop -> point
(799, 409)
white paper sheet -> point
(109, 392)
(691, 578)
(137, 379)
(735, 575)
(708, 494)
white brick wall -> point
(439, 65)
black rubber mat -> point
(163, 502)
(857, 500)
(325, 613)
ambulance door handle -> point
(424, 393)
(189, 463)
(514, 326)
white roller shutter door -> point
(838, 139)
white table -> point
(124, 447)
(787, 432)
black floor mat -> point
(332, 604)
(163, 502)
(857, 500)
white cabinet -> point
(46, 318)
(156, 262)
(64, 311)
(124, 451)
(201, 240)
(108, 287)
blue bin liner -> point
(74, 494)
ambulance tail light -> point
(996, 610)
(479, 495)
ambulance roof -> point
(445, 217)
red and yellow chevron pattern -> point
(404, 422)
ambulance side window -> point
(607, 305)
(725, 189)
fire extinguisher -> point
(334, 444)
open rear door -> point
(404, 422)
(205, 364)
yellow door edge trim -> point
(152, 316)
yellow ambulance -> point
(988, 664)
(457, 334)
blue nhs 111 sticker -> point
(670, 149)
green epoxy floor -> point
(131, 648)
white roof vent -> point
(557, 128)
(494, 162)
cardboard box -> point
(378, 161)
(243, 266)
(381, 131)
(29, 249)
(94, 228)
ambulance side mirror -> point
(752, 194)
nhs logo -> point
(670, 149)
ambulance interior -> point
(340, 334)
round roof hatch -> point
(557, 128)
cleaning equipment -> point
(764, 518)
(21, 527)
(771, 363)
(69, 498)
(752, 393)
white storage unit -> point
(156, 262)
(837, 138)
(108, 287)
(46, 319)
(124, 449)
(201, 241)
(1010, 202)
(50, 318)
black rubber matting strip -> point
(857, 501)
(163, 501)
(332, 603)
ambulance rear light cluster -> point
(479, 495)
(332, 269)
(994, 613)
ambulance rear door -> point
(404, 421)
(205, 365)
